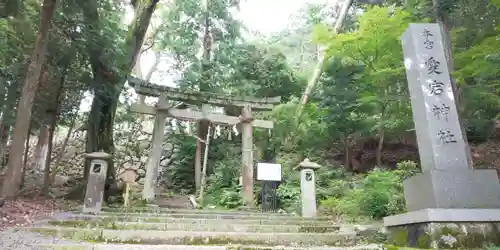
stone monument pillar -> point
(96, 182)
(308, 187)
(447, 193)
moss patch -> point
(398, 236)
(318, 229)
(67, 247)
(392, 247)
(252, 248)
(221, 240)
(107, 224)
(446, 235)
(148, 225)
(201, 220)
(88, 235)
(96, 236)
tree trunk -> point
(204, 86)
(10, 8)
(52, 113)
(109, 82)
(347, 148)
(13, 176)
(381, 134)
(55, 169)
(7, 119)
(100, 131)
(25, 156)
(43, 136)
(46, 173)
(3, 88)
(380, 146)
(41, 148)
(318, 69)
(4, 138)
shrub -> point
(379, 193)
(222, 186)
(289, 197)
(230, 198)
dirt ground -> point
(24, 211)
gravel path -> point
(21, 238)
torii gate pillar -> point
(247, 156)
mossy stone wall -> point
(463, 235)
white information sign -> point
(268, 172)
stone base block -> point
(453, 189)
(445, 228)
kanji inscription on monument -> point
(440, 141)
(447, 190)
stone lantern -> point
(96, 181)
(308, 187)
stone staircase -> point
(173, 201)
(160, 228)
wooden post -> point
(204, 171)
(197, 164)
(205, 113)
(129, 178)
(148, 193)
(126, 203)
(247, 156)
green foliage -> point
(377, 195)
(262, 72)
(289, 197)
(222, 186)
(361, 95)
(362, 88)
(179, 174)
(230, 198)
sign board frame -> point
(268, 172)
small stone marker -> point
(129, 177)
(308, 187)
(96, 182)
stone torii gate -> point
(163, 109)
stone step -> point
(172, 203)
(187, 247)
(217, 216)
(155, 237)
(188, 211)
(163, 219)
(183, 226)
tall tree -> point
(12, 183)
(110, 73)
(208, 26)
(381, 82)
